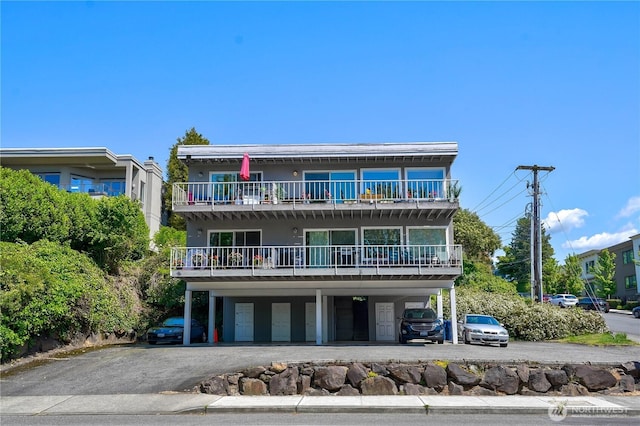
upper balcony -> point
(432, 199)
(333, 262)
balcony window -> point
(324, 247)
(425, 183)
(52, 178)
(81, 184)
(381, 183)
(428, 243)
(232, 187)
(337, 186)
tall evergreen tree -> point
(177, 171)
(603, 273)
(515, 265)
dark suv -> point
(593, 303)
(421, 323)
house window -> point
(425, 183)
(588, 266)
(330, 247)
(427, 242)
(383, 183)
(231, 186)
(627, 257)
(235, 248)
(630, 282)
(337, 186)
(81, 184)
(52, 178)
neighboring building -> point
(326, 242)
(626, 272)
(96, 171)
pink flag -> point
(244, 169)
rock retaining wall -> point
(430, 378)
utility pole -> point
(536, 234)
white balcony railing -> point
(306, 192)
(313, 257)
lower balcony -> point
(316, 262)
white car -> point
(483, 329)
(563, 300)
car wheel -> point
(402, 340)
(636, 314)
(466, 339)
(503, 345)
(152, 342)
(441, 341)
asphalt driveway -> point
(141, 369)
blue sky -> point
(514, 83)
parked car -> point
(485, 329)
(421, 323)
(546, 298)
(563, 300)
(171, 331)
(593, 303)
(636, 312)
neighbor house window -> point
(588, 266)
(52, 178)
(630, 282)
(627, 257)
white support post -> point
(439, 304)
(318, 317)
(325, 320)
(454, 315)
(212, 317)
(186, 335)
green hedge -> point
(526, 320)
(50, 290)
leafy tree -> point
(478, 240)
(31, 208)
(177, 171)
(51, 290)
(603, 273)
(570, 278)
(479, 275)
(120, 232)
(515, 265)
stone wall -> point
(431, 378)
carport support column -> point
(454, 316)
(439, 303)
(318, 317)
(186, 335)
(212, 317)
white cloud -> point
(564, 220)
(633, 206)
(599, 241)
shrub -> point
(526, 321)
(53, 291)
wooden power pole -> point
(536, 234)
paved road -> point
(144, 369)
(622, 323)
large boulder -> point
(435, 377)
(250, 386)
(501, 379)
(462, 377)
(378, 385)
(404, 373)
(215, 386)
(330, 378)
(285, 383)
(594, 378)
(538, 381)
(356, 373)
(556, 377)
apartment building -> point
(95, 171)
(626, 272)
(319, 243)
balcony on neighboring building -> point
(433, 199)
(346, 262)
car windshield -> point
(173, 322)
(420, 313)
(481, 319)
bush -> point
(48, 290)
(525, 320)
